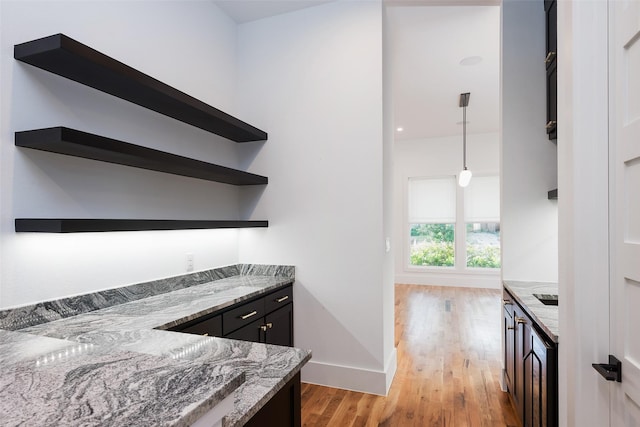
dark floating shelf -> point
(553, 194)
(75, 143)
(68, 58)
(59, 225)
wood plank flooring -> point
(449, 358)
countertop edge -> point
(530, 312)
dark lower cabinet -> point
(540, 382)
(283, 410)
(274, 328)
(280, 326)
(251, 332)
(265, 319)
(508, 330)
(531, 366)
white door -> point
(624, 142)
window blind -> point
(432, 200)
(482, 199)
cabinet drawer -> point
(243, 315)
(278, 299)
(211, 327)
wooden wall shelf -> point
(66, 225)
(76, 143)
(68, 58)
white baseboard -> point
(489, 281)
(351, 378)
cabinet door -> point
(522, 347)
(509, 344)
(280, 326)
(552, 101)
(252, 332)
(282, 410)
(540, 384)
(551, 31)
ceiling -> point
(243, 11)
(427, 45)
(428, 39)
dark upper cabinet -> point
(552, 102)
(551, 31)
(551, 63)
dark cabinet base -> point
(283, 410)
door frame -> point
(583, 205)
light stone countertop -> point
(116, 366)
(546, 316)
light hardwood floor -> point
(449, 358)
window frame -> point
(460, 234)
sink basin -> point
(547, 299)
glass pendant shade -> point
(465, 178)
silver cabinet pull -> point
(550, 124)
(506, 302)
(284, 298)
(263, 328)
(246, 316)
(269, 325)
(521, 320)
(549, 57)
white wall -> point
(438, 157)
(190, 45)
(314, 79)
(529, 221)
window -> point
(432, 219)
(482, 222)
(439, 210)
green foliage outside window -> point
(432, 245)
(483, 256)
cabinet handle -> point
(506, 302)
(511, 328)
(550, 124)
(246, 316)
(263, 328)
(549, 57)
(269, 325)
(521, 320)
(284, 298)
(206, 334)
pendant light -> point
(465, 175)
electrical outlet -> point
(189, 262)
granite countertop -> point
(546, 316)
(118, 366)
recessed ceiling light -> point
(471, 60)
(399, 128)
